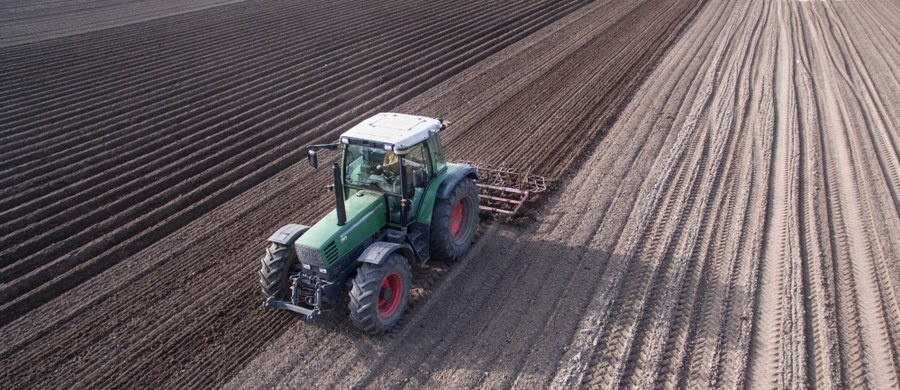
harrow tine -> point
(503, 190)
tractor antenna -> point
(396, 102)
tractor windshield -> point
(371, 168)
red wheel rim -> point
(456, 219)
(389, 295)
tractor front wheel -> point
(380, 294)
(454, 222)
(275, 270)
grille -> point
(308, 255)
(331, 253)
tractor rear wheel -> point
(380, 294)
(454, 222)
(275, 270)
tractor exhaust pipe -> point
(339, 195)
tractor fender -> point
(454, 178)
(287, 234)
(378, 252)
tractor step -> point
(503, 190)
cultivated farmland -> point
(725, 204)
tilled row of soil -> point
(26, 21)
(132, 153)
(161, 292)
(757, 250)
(737, 228)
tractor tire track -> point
(117, 234)
(721, 214)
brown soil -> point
(725, 209)
(37, 20)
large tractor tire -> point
(454, 222)
(380, 294)
(275, 270)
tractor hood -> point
(326, 242)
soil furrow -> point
(856, 247)
(132, 171)
(722, 181)
(283, 83)
(222, 180)
(188, 80)
(771, 363)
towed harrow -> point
(504, 191)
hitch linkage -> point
(295, 305)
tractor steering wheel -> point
(389, 176)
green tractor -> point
(397, 201)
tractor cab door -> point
(417, 173)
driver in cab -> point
(390, 167)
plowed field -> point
(725, 208)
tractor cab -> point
(395, 154)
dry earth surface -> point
(724, 214)
(37, 20)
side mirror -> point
(311, 153)
(420, 178)
(313, 160)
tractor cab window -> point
(417, 159)
(379, 170)
(366, 167)
(418, 168)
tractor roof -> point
(393, 131)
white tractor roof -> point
(397, 132)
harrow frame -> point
(504, 191)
